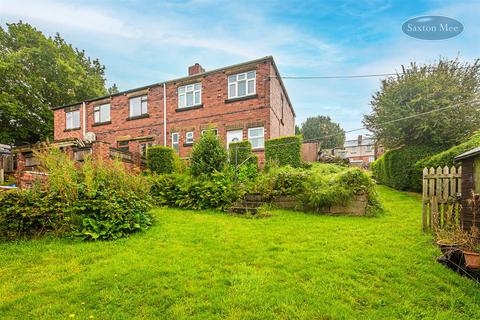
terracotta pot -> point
(448, 247)
(472, 259)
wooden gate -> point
(441, 197)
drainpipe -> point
(164, 114)
(84, 113)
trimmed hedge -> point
(397, 168)
(284, 151)
(244, 152)
(160, 159)
(445, 158)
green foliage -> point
(281, 181)
(321, 128)
(445, 158)
(420, 89)
(215, 191)
(397, 169)
(98, 200)
(243, 152)
(37, 73)
(208, 155)
(284, 151)
(160, 159)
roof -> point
(468, 154)
(267, 58)
(5, 149)
(354, 142)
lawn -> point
(208, 265)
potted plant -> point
(472, 257)
(450, 239)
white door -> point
(234, 136)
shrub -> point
(397, 169)
(281, 181)
(243, 151)
(160, 159)
(284, 151)
(97, 200)
(445, 158)
(216, 191)
(208, 155)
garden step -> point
(242, 210)
(249, 204)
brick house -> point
(361, 151)
(239, 102)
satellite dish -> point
(90, 137)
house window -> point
(175, 141)
(138, 106)
(101, 113)
(189, 137)
(143, 148)
(72, 119)
(242, 84)
(123, 146)
(214, 131)
(256, 136)
(190, 95)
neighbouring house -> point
(7, 164)
(362, 151)
(238, 102)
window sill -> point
(71, 129)
(252, 96)
(258, 149)
(142, 116)
(198, 106)
(96, 124)
(188, 144)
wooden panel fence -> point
(441, 197)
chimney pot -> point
(195, 69)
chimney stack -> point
(360, 140)
(195, 69)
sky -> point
(145, 42)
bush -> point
(160, 159)
(284, 151)
(445, 158)
(244, 154)
(216, 191)
(97, 200)
(208, 155)
(281, 181)
(397, 169)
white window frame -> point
(176, 145)
(234, 79)
(97, 110)
(143, 106)
(189, 137)
(262, 137)
(194, 88)
(70, 119)
(143, 148)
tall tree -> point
(37, 73)
(420, 89)
(323, 129)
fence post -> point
(2, 177)
(424, 198)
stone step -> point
(249, 204)
(243, 210)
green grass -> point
(208, 265)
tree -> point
(208, 155)
(321, 128)
(36, 74)
(420, 89)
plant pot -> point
(449, 246)
(472, 259)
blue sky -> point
(143, 42)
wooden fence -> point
(441, 197)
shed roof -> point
(468, 154)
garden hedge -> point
(284, 151)
(397, 168)
(445, 158)
(160, 159)
(244, 152)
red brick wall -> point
(282, 120)
(215, 112)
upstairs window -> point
(101, 113)
(72, 119)
(190, 95)
(256, 136)
(138, 106)
(175, 141)
(242, 84)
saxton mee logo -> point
(432, 28)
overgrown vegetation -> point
(160, 159)
(284, 151)
(97, 200)
(397, 168)
(208, 155)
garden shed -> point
(470, 197)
